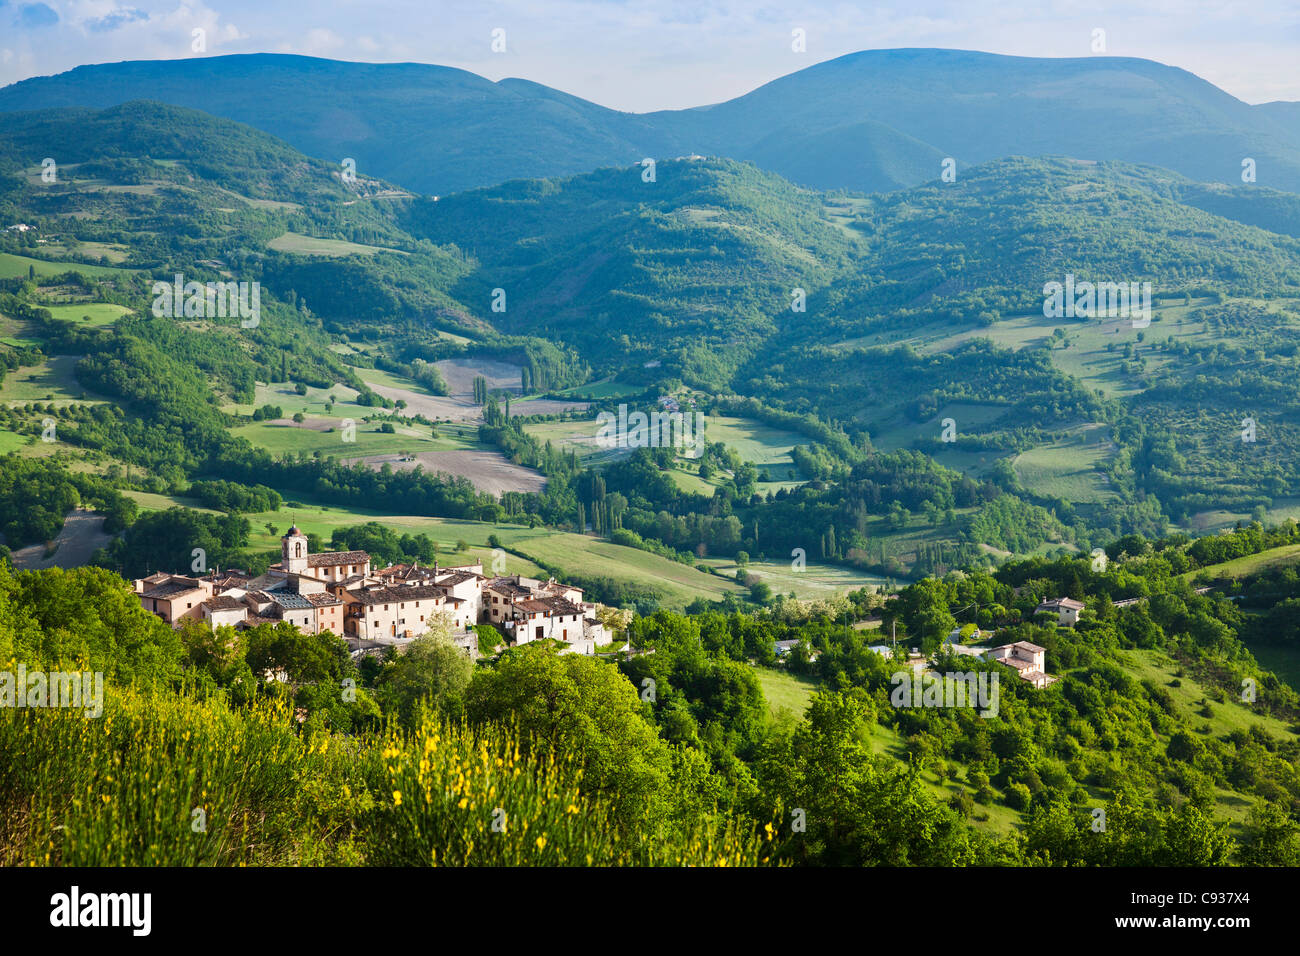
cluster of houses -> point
(1026, 659)
(339, 592)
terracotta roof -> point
(222, 603)
(549, 605)
(322, 600)
(390, 595)
(1063, 602)
(557, 586)
(457, 577)
(172, 589)
(507, 588)
(253, 620)
(332, 558)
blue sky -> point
(659, 54)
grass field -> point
(311, 246)
(1282, 661)
(151, 502)
(603, 389)
(1251, 564)
(283, 395)
(316, 518)
(9, 441)
(100, 313)
(578, 437)
(680, 584)
(1225, 717)
(815, 581)
(785, 691)
(52, 381)
(12, 267)
(326, 436)
(767, 447)
(1070, 468)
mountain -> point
(430, 128)
(872, 121)
(976, 107)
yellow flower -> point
(541, 843)
(397, 798)
(464, 802)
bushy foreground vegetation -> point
(671, 756)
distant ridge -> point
(872, 121)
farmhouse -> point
(173, 597)
(1027, 659)
(1066, 609)
(338, 592)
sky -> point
(642, 55)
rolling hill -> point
(923, 305)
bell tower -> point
(293, 551)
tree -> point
(433, 672)
(852, 812)
(303, 658)
(1271, 838)
(581, 706)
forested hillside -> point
(864, 324)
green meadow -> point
(52, 381)
(14, 267)
(311, 246)
(89, 313)
(326, 437)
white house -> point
(1028, 660)
(1066, 610)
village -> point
(373, 609)
(339, 592)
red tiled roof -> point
(333, 558)
(390, 595)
